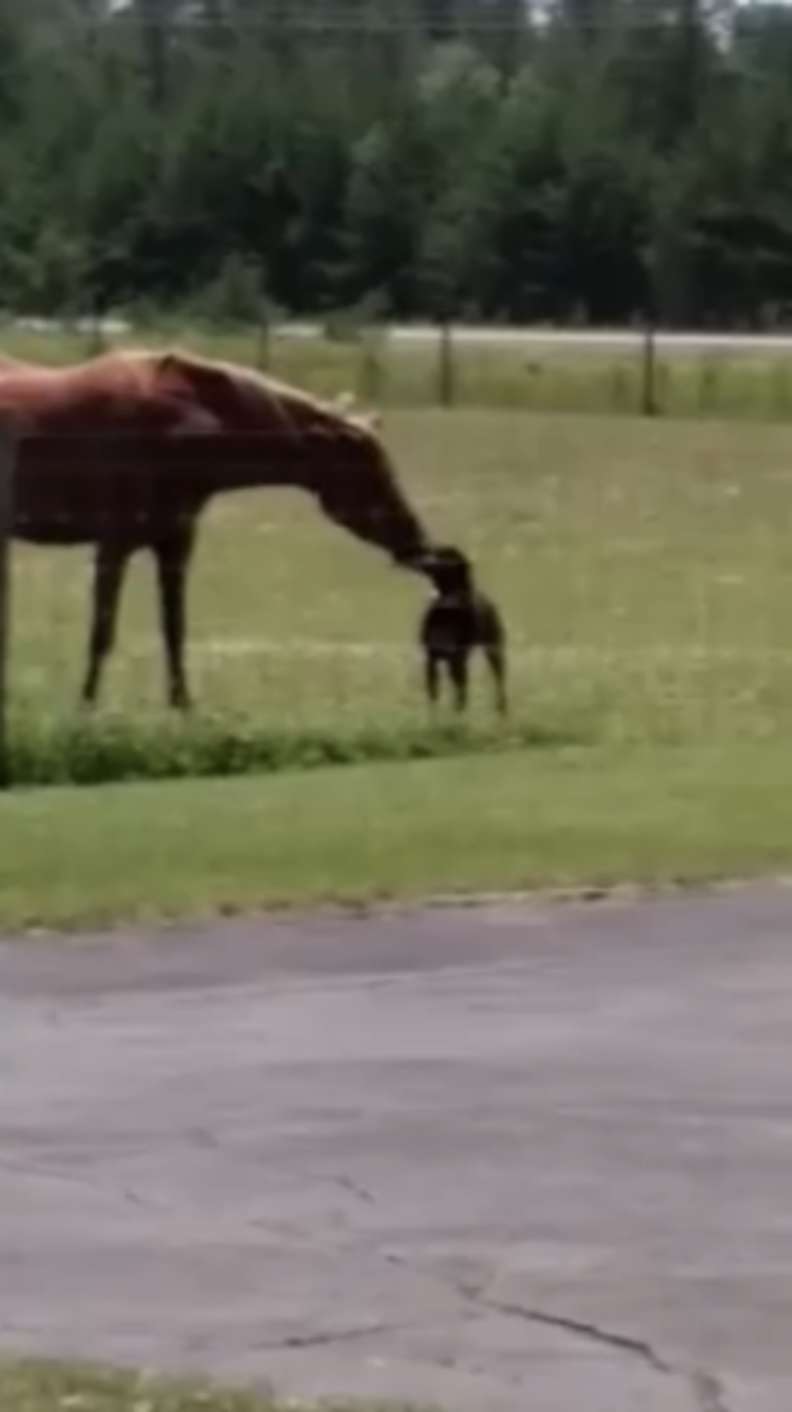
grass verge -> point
(566, 817)
(57, 1387)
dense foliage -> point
(585, 160)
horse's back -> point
(115, 390)
(155, 388)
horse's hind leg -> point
(173, 557)
(497, 661)
(458, 671)
(109, 566)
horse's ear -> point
(173, 368)
(170, 362)
(211, 384)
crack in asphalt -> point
(706, 1388)
(640, 1348)
(354, 1188)
(330, 1336)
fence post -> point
(8, 452)
(445, 367)
(371, 371)
(264, 348)
(648, 379)
(95, 341)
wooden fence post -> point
(8, 451)
(264, 339)
(648, 370)
(445, 369)
(371, 370)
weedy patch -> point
(58, 1387)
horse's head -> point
(292, 438)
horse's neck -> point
(240, 461)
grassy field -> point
(53, 1387)
(644, 570)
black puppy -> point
(459, 620)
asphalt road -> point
(504, 1159)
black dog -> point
(459, 620)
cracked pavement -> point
(506, 1158)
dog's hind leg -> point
(432, 677)
(497, 662)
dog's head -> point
(447, 567)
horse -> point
(124, 452)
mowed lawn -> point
(644, 570)
(562, 818)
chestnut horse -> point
(124, 452)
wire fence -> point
(639, 371)
(642, 371)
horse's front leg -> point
(109, 566)
(173, 558)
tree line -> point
(574, 161)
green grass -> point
(58, 1387)
(562, 818)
